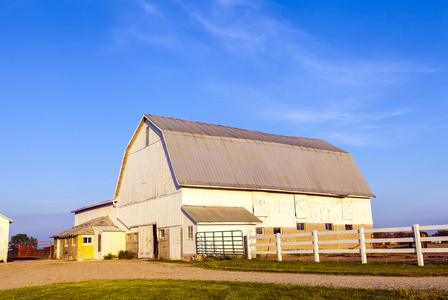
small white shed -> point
(4, 237)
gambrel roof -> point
(216, 156)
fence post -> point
(362, 242)
(418, 245)
(279, 247)
(316, 246)
(248, 247)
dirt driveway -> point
(20, 274)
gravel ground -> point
(31, 273)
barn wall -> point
(146, 173)
(164, 211)
(4, 238)
(91, 213)
(246, 229)
(286, 210)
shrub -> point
(109, 256)
(125, 255)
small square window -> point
(277, 230)
(259, 230)
(190, 232)
(87, 240)
(328, 226)
(162, 233)
(300, 226)
(348, 227)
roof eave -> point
(337, 195)
(104, 203)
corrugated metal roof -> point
(209, 155)
(219, 214)
(205, 129)
(85, 228)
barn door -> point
(146, 241)
(175, 243)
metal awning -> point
(219, 214)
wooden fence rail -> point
(362, 240)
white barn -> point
(4, 237)
(181, 177)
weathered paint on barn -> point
(4, 237)
(285, 209)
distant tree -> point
(441, 233)
(17, 239)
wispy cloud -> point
(307, 80)
(248, 28)
(325, 116)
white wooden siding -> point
(164, 211)
(147, 173)
(283, 208)
(246, 229)
(87, 215)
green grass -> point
(196, 289)
(330, 267)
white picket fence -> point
(419, 250)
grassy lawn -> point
(196, 289)
(330, 267)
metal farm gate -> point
(34, 249)
(220, 243)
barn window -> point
(277, 230)
(259, 230)
(65, 242)
(87, 240)
(300, 226)
(162, 233)
(190, 232)
(328, 226)
(147, 136)
(74, 241)
(348, 227)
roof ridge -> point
(170, 124)
(233, 127)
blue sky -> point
(76, 77)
